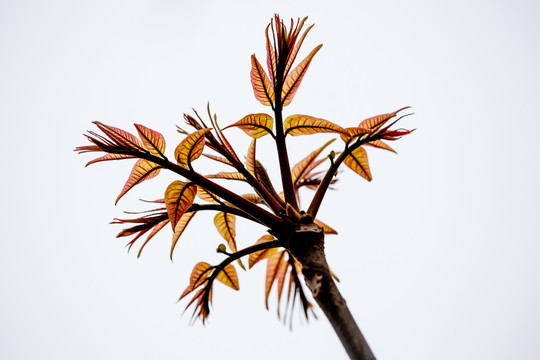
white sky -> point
(438, 256)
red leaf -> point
(262, 87)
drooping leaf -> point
(262, 86)
(272, 268)
(180, 227)
(142, 170)
(293, 80)
(250, 159)
(226, 226)
(257, 256)
(229, 277)
(326, 229)
(357, 161)
(152, 140)
(303, 167)
(255, 125)
(227, 176)
(280, 277)
(178, 198)
(154, 231)
(306, 125)
(191, 147)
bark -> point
(306, 243)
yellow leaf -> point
(206, 195)
(306, 125)
(250, 159)
(178, 198)
(304, 166)
(262, 87)
(191, 147)
(381, 145)
(357, 161)
(294, 78)
(180, 227)
(257, 256)
(226, 226)
(227, 176)
(229, 277)
(255, 125)
(142, 170)
(254, 198)
(272, 268)
(326, 229)
(152, 140)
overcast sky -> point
(438, 256)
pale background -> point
(439, 256)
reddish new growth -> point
(278, 213)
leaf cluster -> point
(278, 212)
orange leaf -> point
(219, 158)
(294, 78)
(376, 122)
(180, 227)
(254, 198)
(229, 277)
(326, 229)
(226, 226)
(108, 157)
(178, 198)
(354, 132)
(271, 271)
(257, 256)
(381, 145)
(206, 195)
(357, 161)
(255, 125)
(262, 87)
(227, 176)
(307, 125)
(198, 276)
(152, 140)
(280, 276)
(142, 170)
(304, 166)
(250, 159)
(191, 147)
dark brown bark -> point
(306, 243)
